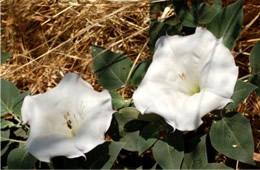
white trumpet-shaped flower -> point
(189, 77)
(69, 120)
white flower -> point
(69, 120)
(189, 77)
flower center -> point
(194, 90)
(189, 85)
(72, 123)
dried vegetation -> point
(49, 38)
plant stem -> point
(245, 77)
(132, 69)
(13, 140)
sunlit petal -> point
(60, 118)
(189, 77)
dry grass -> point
(49, 38)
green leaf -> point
(21, 133)
(196, 156)
(232, 136)
(200, 12)
(139, 72)
(6, 124)
(208, 10)
(5, 134)
(158, 29)
(97, 157)
(11, 99)
(9, 93)
(242, 90)
(135, 125)
(20, 158)
(114, 150)
(184, 13)
(111, 68)
(227, 23)
(125, 115)
(131, 140)
(117, 101)
(256, 81)
(148, 136)
(254, 58)
(5, 56)
(152, 118)
(4, 148)
(169, 153)
(219, 166)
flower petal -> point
(46, 147)
(93, 129)
(185, 80)
(58, 116)
(218, 71)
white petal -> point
(196, 106)
(93, 129)
(186, 79)
(60, 113)
(46, 147)
(219, 72)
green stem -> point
(245, 77)
(13, 140)
(132, 69)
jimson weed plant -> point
(182, 113)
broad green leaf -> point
(158, 29)
(227, 23)
(125, 115)
(148, 136)
(200, 12)
(196, 156)
(97, 157)
(139, 72)
(242, 90)
(20, 158)
(11, 99)
(110, 67)
(21, 133)
(254, 58)
(208, 10)
(6, 123)
(5, 134)
(232, 136)
(131, 140)
(114, 150)
(117, 101)
(152, 118)
(5, 56)
(18, 101)
(184, 13)
(4, 147)
(113, 130)
(8, 94)
(129, 112)
(256, 81)
(135, 125)
(219, 166)
(169, 153)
